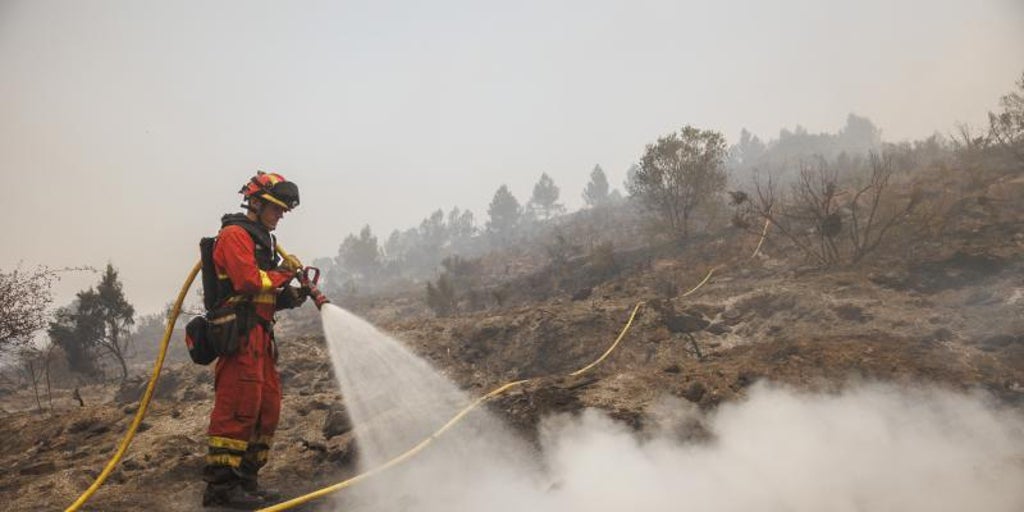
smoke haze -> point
(127, 127)
(874, 447)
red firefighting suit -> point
(247, 386)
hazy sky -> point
(126, 127)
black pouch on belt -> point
(223, 330)
(198, 342)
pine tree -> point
(116, 315)
(596, 193)
(544, 202)
(360, 253)
(101, 319)
(504, 212)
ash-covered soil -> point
(954, 320)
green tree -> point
(544, 202)
(859, 136)
(504, 212)
(107, 305)
(99, 320)
(677, 174)
(747, 151)
(461, 226)
(360, 254)
(76, 334)
(1007, 127)
(596, 193)
(462, 229)
(441, 298)
(433, 236)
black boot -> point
(232, 495)
(224, 488)
(252, 486)
(248, 475)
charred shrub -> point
(602, 262)
(441, 297)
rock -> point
(342, 453)
(195, 395)
(97, 429)
(999, 341)
(132, 389)
(685, 323)
(939, 335)
(314, 446)
(287, 374)
(582, 294)
(744, 379)
(336, 423)
(732, 316)
(82, 425)
(851, 313)
(695, 392)
(41, 468)
(979, 297)
(719, 328)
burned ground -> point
(951, 317)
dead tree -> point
(832, 220)
(808, 216)
(32, 368)
(870, 218)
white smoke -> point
(875, 447)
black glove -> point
(291, 297)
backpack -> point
(215, 333)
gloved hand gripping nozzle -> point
(309, 277)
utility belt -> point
(221, 331)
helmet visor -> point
(285, 194)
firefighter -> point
(247, 386)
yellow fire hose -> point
(146, 397)
(455, 419)
(764, 234)
(294, 262)
(458, 417)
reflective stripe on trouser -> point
(247, 405)
(255, 456)
(225, 451)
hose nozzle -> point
(309, 277)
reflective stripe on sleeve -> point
(265, 284)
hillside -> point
(951, 318)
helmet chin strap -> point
(257, 210)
